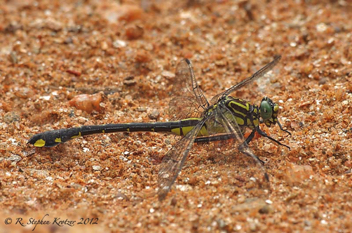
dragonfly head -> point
(269, 111)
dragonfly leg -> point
(283, 128)
(250, 137)
(242, 147)
(262, 133)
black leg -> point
(250, 137)
(267, 136)
(283, 128)
(247, 141)
(240, 148)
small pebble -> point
(87, 103)
(154, 114)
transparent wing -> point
(249, 172)
(174, 159)
(256, 75)
(189, 100)
(182, 107)
(253, 170)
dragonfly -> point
(197, 120)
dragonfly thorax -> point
(245, 113)
(250, 115)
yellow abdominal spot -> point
(185, 130)
(76, 136)
(176, 131)
(39, 143)
(203, 132)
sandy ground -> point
(123, 56)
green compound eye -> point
(266, 111)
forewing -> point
(255, 76)
(248, 173)
(174, 159)
(252, 168)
